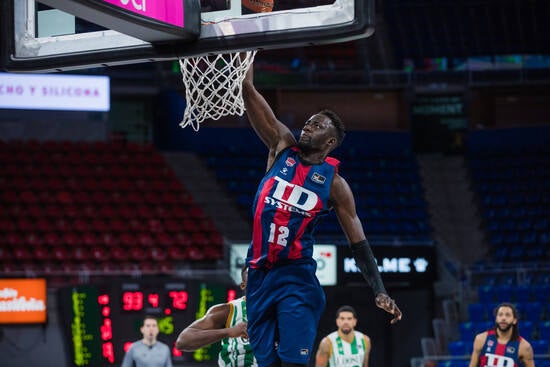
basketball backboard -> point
(37, 37)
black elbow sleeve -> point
(365, 261)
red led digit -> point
(179, 299)
(108, 351)
(132, 301)
(103, 299)
(106, 329)
(231, 295)
(127, 301)
(153, 300)
(106, 311)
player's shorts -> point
(284, 305)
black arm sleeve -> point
(365, 261)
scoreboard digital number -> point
(102, 321)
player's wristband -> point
(364, 259)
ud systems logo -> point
(494, 360)
(292, 198)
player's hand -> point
(387, 304)
(238, 330)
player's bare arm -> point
(275, 135)
(323, 353)
(343, 203)
(526, 354)
(367, 351)
(478, 345)
(209, 329)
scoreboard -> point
(102, 321)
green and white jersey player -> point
(345, 347)
(225, 322)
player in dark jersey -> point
(502, 346)
(284, 297)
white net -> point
(213, 86)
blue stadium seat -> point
(523, 293)
(486, 293)
(544, 330)
(517, 251)
(457, 348)
(453, 363)
(467, 330)
(489, 280)
(527, 329)
(491, 310)
(533, 311)
(540, 346)
(541, 293)
(497, 239)
(477, 312)
(482, 326)
(534, 252)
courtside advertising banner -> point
(325, 255)
(54, 92)
(400, 266)
(22, 301)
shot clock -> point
(102, 321)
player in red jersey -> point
(502, 346)
(284, 297)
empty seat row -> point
(531, 311)
(143, 238)
(96, 202)
(103, 253)
(465, 347)
(98, 225)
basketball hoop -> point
(213, 86)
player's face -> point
(505, 318)
(316, 133)
(346, 322)
(150, 329)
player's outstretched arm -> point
(209, 329)
(275, 135)
(344, 204)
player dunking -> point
(284, 297)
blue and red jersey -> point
(290, 199)
(495, 354)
